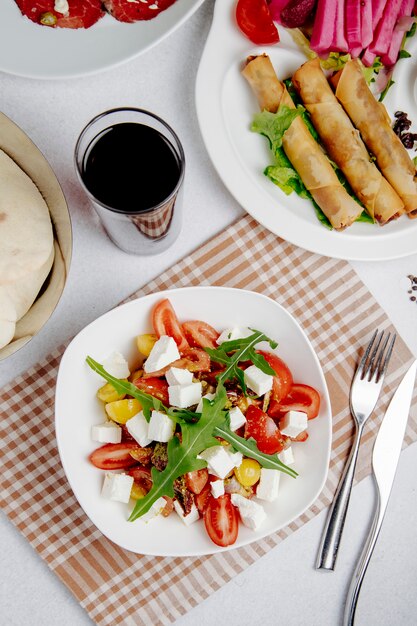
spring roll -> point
(371, 119)
(344, 145)
(302, 150)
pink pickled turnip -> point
(366, 22)
(378, 7)
(339, 43)
(383, 34)
(368, 58)
(324, 26)
(404, 23)
(353, 27)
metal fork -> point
(364, 393)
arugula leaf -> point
(249, 448)
(183, 415)
(242, 350)
(274, 125)
(182, 455)
(147, 402)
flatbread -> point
(26, 235)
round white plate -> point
(77, 409)
(225, 108)
(27, 49)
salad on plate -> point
(203, 426)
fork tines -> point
(375, 360)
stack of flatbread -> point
(26, 245)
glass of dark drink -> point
(131, 165)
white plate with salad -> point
(257, 461)
(41, 51)
(226, 107)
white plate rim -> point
(226, 46)
(325, 416)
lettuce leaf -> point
(274, 125)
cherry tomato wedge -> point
(142, 476)
(114, 456)
(255, 21)
(263, 429)
(300, 398)
(200, 334)
(165, 322)
(283, 379)
(197, 480)
(154, 386)
(201, 499)
(221, 520)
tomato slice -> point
(255, 21)
(201, 499)
(263, 429)
(114, 456)
(200, 334)
(165, 322)
(154, 386)
(197, 480)
(221, 520)
(300, 398)
(283, 379)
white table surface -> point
(282, 586)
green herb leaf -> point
(148, 402)
(182, 455)
(415, 160)
(390, 83)
(404, 54)
(335, 61)
(184, 415)
(412, 31)
(274, 125)
(249, 448)
(242, 350)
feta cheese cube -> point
(161, 427)
(138, 428)
(163, 353)
(293, 423)
(178, 376)
(257, 380)
(117, 487)
(116, 365)
(233, 333)
(286, 456)
(235, 457)
(217, 488)
(237, 419)
(208, 396)
(268, 485)
(219, 462)
(191, 517)
(183, 396)
(155, 510)
(251, 513)
(109, 432)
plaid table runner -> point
(117, 587)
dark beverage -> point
(131, 167)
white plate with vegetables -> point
(65, 49)
(226, 108)
(110, 454)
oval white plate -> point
(77, 409)
(225, 108)
(27, 49)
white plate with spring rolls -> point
(226, 106)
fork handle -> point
(335, 521)
(356, 583)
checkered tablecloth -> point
(117, 587)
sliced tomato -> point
(264, 430)
(200, 335)
(300, 398)
(201, 499)
(221, 520)
(142, 476)
(194, 360)
(165, 322)
(301, 437)
(197, 480)
(154, 386)
(283, 379)
(255, 21)
(114, 456)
